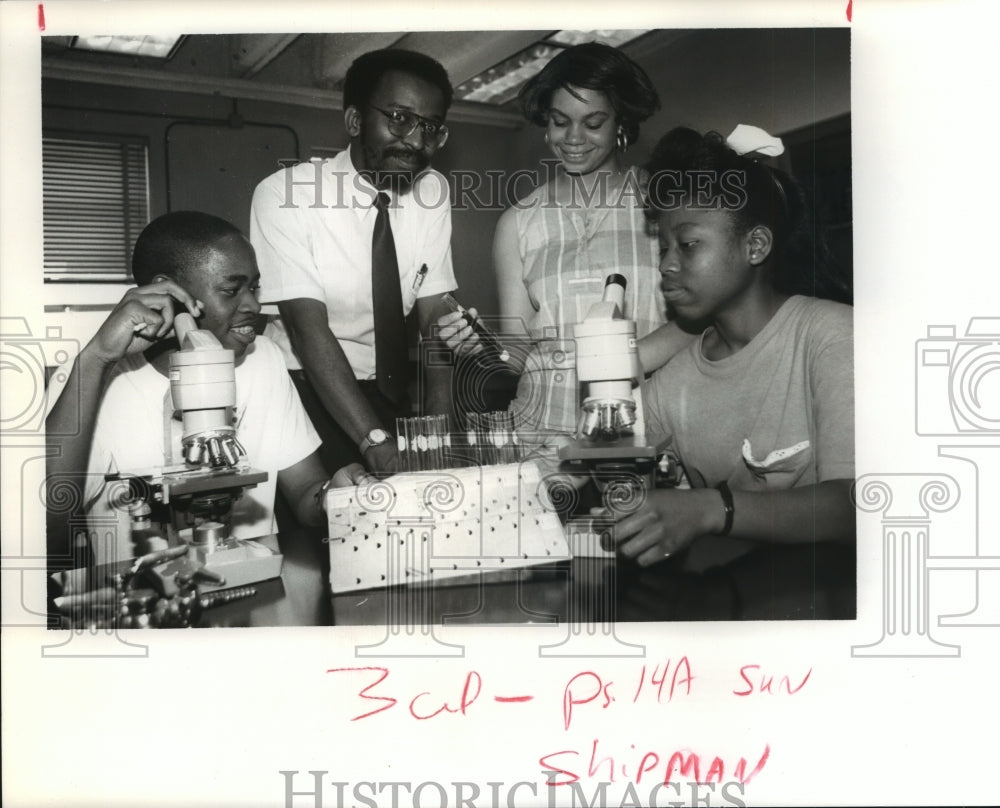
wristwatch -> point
(374, 438)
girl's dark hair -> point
(687, 165)
(175, 244)
(594, 66)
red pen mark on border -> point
(41, 17)
(509, 699)
(850, 4)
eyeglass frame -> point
(440, 133)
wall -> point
(709, 79)
(778, 79)
(198, 160)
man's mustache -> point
(404, 152)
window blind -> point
(95, 197)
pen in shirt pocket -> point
(419, 279)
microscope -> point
(189, 504)
(610, 443)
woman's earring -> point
(546, 138)
(622, 140)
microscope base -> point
(240, 562)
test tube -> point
(444, 434)
(500, 436)
(402, 447)
(490, 437)
(434, 442)
(514, 442)
(475, 438)
(420, 441)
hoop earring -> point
(622, 140)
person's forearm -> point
(660, 346)
(333, 379)
(70, 423)
(308, 507)
(438, 391)
(69, 431)
(437, 377)
(821, 512)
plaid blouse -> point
(567, 252)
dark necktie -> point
(391, 352)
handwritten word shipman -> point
(659, 765)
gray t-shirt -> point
(777, 414)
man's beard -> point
(399, 180)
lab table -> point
(789, 582)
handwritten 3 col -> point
(660, 682)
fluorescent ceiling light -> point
(502, 82)
(613, 38)
(160, 47)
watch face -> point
(377, 436)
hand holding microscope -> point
(178, 517)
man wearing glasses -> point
(336, 240)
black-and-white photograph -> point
(544, 404)
(460, 326)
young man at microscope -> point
(120, 414)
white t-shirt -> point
(311, 226)
(129, 434)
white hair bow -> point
(745, 139)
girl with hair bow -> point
(760, 405)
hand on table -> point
(667, 522)
(350, 475)
(383, 459)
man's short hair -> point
(176, 243)
(367, 70)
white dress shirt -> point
(311, 226)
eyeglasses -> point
(403, 124)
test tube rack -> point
(440, 526)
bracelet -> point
(727, 503)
